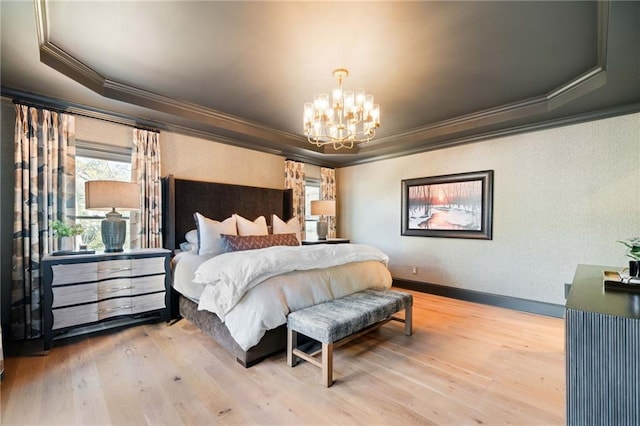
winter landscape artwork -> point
(458, 206)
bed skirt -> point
(274, 341)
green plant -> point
(633, 244)
(61, 229)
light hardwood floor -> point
(465, 364)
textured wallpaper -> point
(562, 197)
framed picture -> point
(451, 206)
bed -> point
(217, 201)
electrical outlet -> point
(414, 270)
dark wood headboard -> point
(182, 198)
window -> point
(312, 193)
(96, 161)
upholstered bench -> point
(339, 321)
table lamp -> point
(323, 208)
(112, 195)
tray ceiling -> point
(239, 72)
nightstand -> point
(92, 292)
(327, 241)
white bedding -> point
(229, 276)
(266, 306)
(184, 265)
(251, 297)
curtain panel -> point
(146, 225)
(294, 179)
(44, 170)
(328, 192)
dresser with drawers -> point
(85, 293)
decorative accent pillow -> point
(282, 227)
(209, 231)
(252, 242)
(246, 227)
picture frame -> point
(449, 206)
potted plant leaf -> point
(67, 234)
(633, 244)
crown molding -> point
(303, 155)
(17, 96)
(380, 155)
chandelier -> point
(350, 118)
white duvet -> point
(254, 291)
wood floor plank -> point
(21, 389)
(465, 364)
(57, 389)
(89, 401)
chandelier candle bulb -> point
(349, 104)
(360, 98)
(337, 97)
(308, 112)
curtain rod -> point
(94, 114)
(40, 106)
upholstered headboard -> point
(182, 198)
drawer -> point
(70, 273)
(93, 312)
(149, 266)
(130, 267)
(114, 269)
(114, 288)
(150, 284)
(74, 294)
(114, 307)
(148, 302)
(76, 315)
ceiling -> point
(444, 73)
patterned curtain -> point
(45, 171)
(146, 224)
(328, 192)
(294, 179)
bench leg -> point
(408, 322)
(292, 343)
(327, 364)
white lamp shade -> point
(111, 194)
(323, 208)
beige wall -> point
(197, 159)
(188, 157)
(561, 197)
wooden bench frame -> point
(294, 353)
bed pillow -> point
(188, 247)
(209, 231)
(282, 227)
(192, 241)
(252, 242)
(246, 227)
(192, 236)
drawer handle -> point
(114, 289)
(115, 270)
(117, 308)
